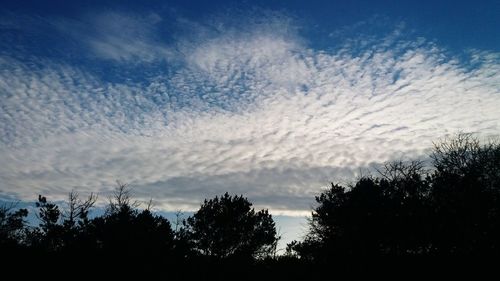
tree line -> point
(407, 211)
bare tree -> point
(396, 170)
(77, 208)
(457, 154)
(121, 198)
(150, 205)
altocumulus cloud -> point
(257, 112)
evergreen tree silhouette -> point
(12, 226)
(228, 226)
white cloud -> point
(257, 113)
(120, 37)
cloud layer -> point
(257, 112)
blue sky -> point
(185, 100)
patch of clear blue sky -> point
(456, 24)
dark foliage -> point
(126, 231)
(228, 226)
(452, 210)
(404, 220)
(12, 226)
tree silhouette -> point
(12, 225)
(49, 235)
(409, 211)
(373, 217)
(77, 210)
(228, 226)
(125, 230)
(453, 209)
(466, 196)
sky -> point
(185, 100)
